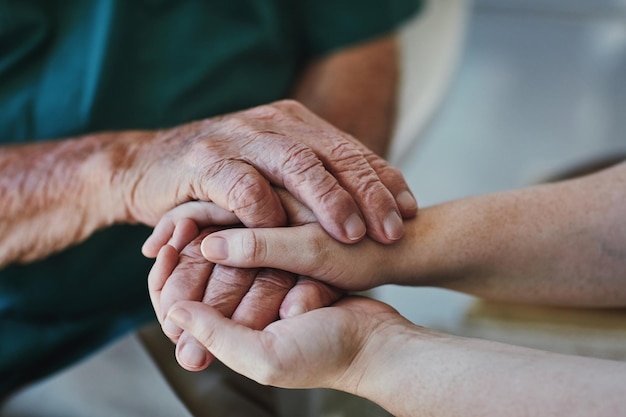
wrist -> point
(120, 163)
(440, 246)
(421, 257)
(371, 372)
(413, 370)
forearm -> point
(55, 194)
(560, 244)
(355, 89)
(426, 373)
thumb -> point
(299, 249)
(238, 347)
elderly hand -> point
(253, 297)
(234, 160)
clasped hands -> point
(220, 282)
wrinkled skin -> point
(234, 160)
(253, 297)
(348, 189)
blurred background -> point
(500, 94)
(495, 95)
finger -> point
(308, 294)
(393, 179)
(202, 213)
(299, 249)
(350, 164)
(311, 350)
(187, 281)
(191, 354)
(237, 346)
(241, 189)
(297, 168)
(261, 304)
(165, 262)
(305, 250)
(159, 237)
(226, 288)
(297, 213)
(186, 230)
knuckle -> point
(207, 336)
(216, 169)
(250, 197)
(191, 255)
(247, 192)
(253, 248)
(261, 303)
(347, 155)
(390, 174)
(350, 163)
(360, 177)
(298, 159)
(302, 167)
(270, 111)
(373, 193)
(234, 279)
(333, 198)
(289, 104)
(227, 288)
(387, 173)
(365, 180)
(273, 280)
(189, 277)
(225, 303)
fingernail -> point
(394, 229)
(406, 201)
(296, 310)
(193, 355)
(179, 316)
(215, 248)
(170, 328)
(354, 226)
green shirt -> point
(72, 67)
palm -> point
(314, 349)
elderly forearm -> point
(560, 244)
(356, 90)
(54, 194)
(430, 373)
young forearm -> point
(426, 373)
(560, 244)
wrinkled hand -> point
(328, 347)
(252, 297)
(234, 160)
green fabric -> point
(73, 67)
(331, 24)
